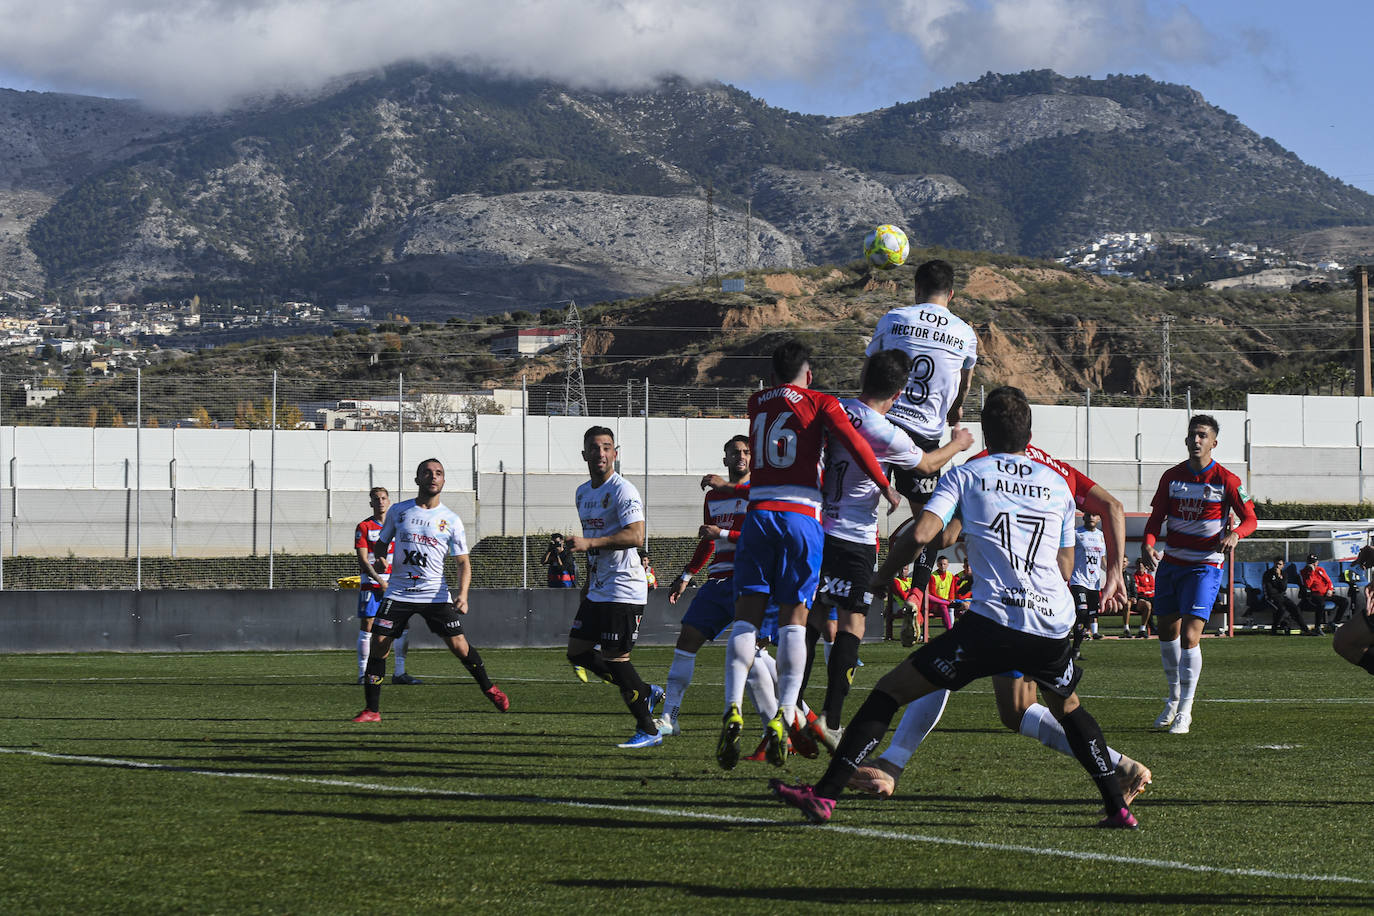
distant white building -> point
(530, 340)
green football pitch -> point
(235, 783)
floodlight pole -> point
(138, 480)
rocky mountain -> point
(455, 192)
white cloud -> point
(209, 53)
(961, 39)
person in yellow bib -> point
(941, 591)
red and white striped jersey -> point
(365, 537)
(788, 427)
(724, 508)
(1198, 508)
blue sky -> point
(1294, 72)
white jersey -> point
(941, 345)
(612, 574)
(1089, 553)
(1017, 514)
(421, 539)
(850, 511)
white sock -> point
(1189, 670)
(919, 717)
(679, 679)
(364, 650)
(828, 646)
(763, 685)
(1039, 723)
(1169, 653)
(1092, 627)
(791, 667)
(739, 658)
(398, 651)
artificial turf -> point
(234, 783)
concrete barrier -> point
(184, 620)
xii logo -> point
(415, 558)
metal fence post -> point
(138, 480)
(646, 464)
(524, 481)
(272, 486)
(400, 431)
(1088, 433)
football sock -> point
(372, 687)
(594, 662)
(1089, 748)
(763, 685)
(1189, 671)
(1367, 661)
(918, 720)
(827, 648)
(635, 693)
(739, 658)
(1092, 627)
(791, 668)
(364, 649)
(1169, 654)
(473, 662)
(679, 679)
(844, 661)
(860, 739)
(398, 652)
(1039, 723)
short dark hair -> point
(1006, 420)
(1205, 419)
(733, 439)
(887, 371)
(788, 360)
(594, 431)
(933, 277)
(421, 466)
(1278, 559)
(375, 490)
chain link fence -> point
(159, 479)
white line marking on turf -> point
(866, 832)
(1277, 747)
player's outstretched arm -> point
(961, 440)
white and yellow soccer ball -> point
(886, 247)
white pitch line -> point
(866, 832)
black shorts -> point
(1086, 601)
(977, 646)
(615, 626)
(846, 570)
(440, 616)
(912, 484)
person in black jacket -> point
(561, 563)
(1275, 585)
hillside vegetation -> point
(1053, 332)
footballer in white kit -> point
(849, 517)
(612, 516)
(1085, 583)
(423, 533)
(1018, 518)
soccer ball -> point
(886, 247)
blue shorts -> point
(779, 553)
(1186, 590)
(713, 610)
(369, 599)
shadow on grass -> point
(999, 895)
(531, 820)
